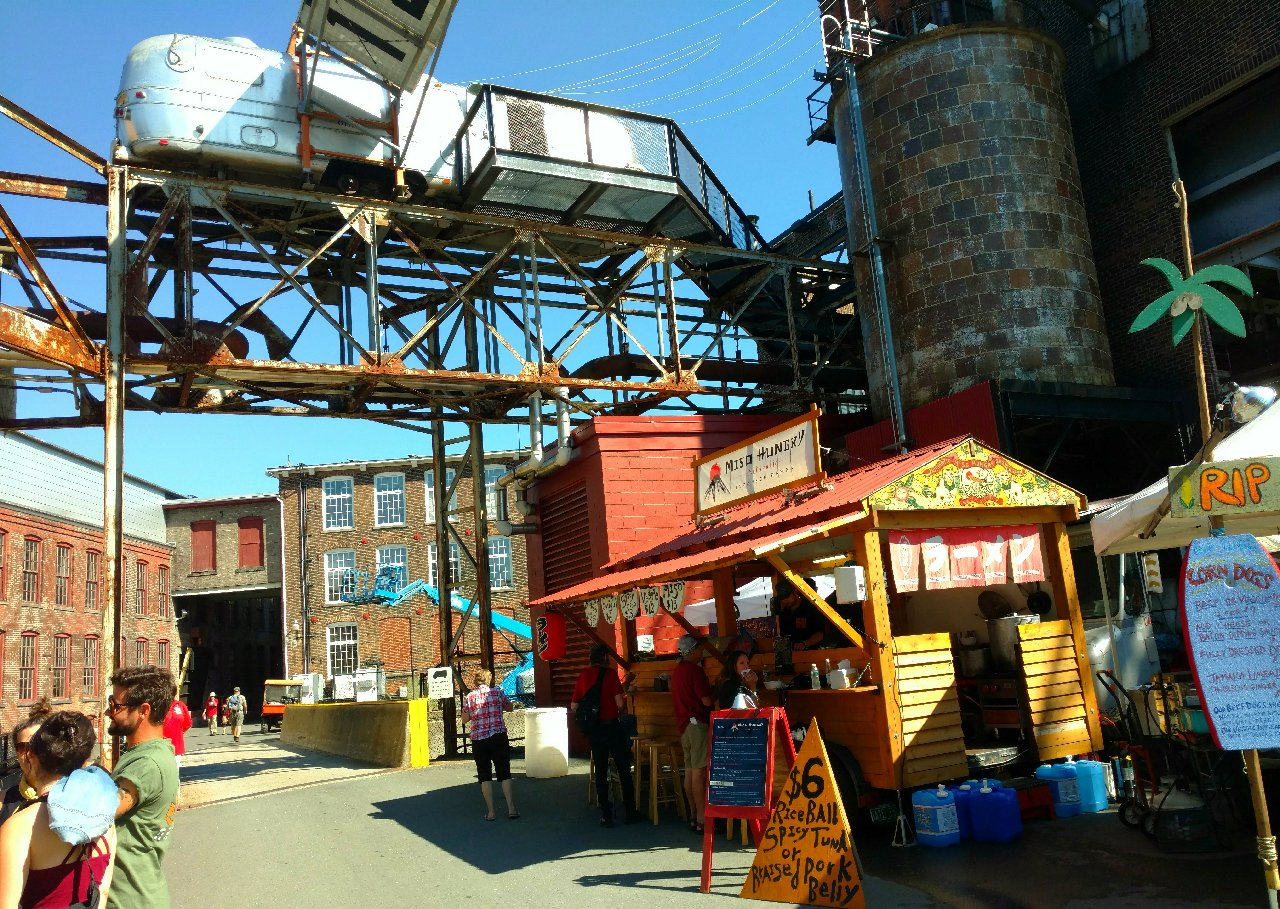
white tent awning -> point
(752, 599)
(1116, 529)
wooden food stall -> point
(950, 537)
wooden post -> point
(1197, 330)
(818, 602)
(726, 609)
(1067, 602)
(875, 619)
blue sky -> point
(733, 73)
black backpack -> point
(588, 712)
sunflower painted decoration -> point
(1196, 293)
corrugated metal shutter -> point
(566, 560)
(566, 540)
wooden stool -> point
(663, 756)
(728, 829)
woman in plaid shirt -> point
(483, 709)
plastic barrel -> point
(937, 821)
(1092, 777)
(995, 814)
(546, 742)
(964, 793)
(1066, 789)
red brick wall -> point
(48, 619)
(968, 412)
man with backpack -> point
(597, 704)
(236, 706)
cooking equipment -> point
(973, 661)
(1003, 634)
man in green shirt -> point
(147, 774)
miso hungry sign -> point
(1231, 623)
(786, 455)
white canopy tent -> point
(752, 600)
(1117, 529)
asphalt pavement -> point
(268, 826)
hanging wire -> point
(746, 85)
(691, 54)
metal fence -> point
(561, 130)
(867, 27)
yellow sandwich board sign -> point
(806, 854)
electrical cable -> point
(749, 104)
(746, 85)
(698, 52)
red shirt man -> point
(211, 712)
(176, 722)
(610, 691)
(691, 702)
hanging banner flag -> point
(673, 596)
(591, 608)
(629, 604)
(650, 600)
(936, 555)
(995, 560)
(904, 554)
(966, 563)
(609, 606)
(1024, 552)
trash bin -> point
(546, 742)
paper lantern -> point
(651, 600)
(629, 604)
(591, 609)
(551, 636)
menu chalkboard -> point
(1231, 611)
(739, 761)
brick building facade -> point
(366, 515)
(52, 622)
(226, 588)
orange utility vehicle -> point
(276, 695)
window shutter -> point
(251, 555)
(203, 554)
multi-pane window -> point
(500, 562)
(89, 683)
(339, 576)
(338, 509)
(396, 557)
(4, 564)
(141, 652)
(249, 539)
(92, 579)
(61, 666)
(140, 588)
(495, 498)
(27, 667)
(162, 590)
(31, 570)
(455, 564)
(429, 479)
(388, 499)
(343, 649)
(62, 575)
(162, 654)
(204, 546)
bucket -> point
(1066, 788)
(1003, 634)
(937, 823)
(995, 814)
(1092, 777)
(546, 742)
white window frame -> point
(333, 501)
(62, 575)
(396, 555)
(495, 498)
(336, 561)
(89, 679)
(60, 669)
(342, 635)
(455, 563)
(501, 557)
(429, 484)
(388, 503)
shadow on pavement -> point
(228, 762)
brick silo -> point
(988, 269)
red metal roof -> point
(749, 526)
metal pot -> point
(1003, 634)
(973, 661)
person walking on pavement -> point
(607, 738)
(147, 775)
(211, 712)
(691, 701)
(483, 709)
(237, 706)
(176, 723)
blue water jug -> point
(937, 823)
(995, 815)
(1066, 789)
(964, 794)
(1092, 777)
(975, 785)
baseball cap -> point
(235, 690)
(688, 644)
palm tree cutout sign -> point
(1195, 293)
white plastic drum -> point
(546, 742)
